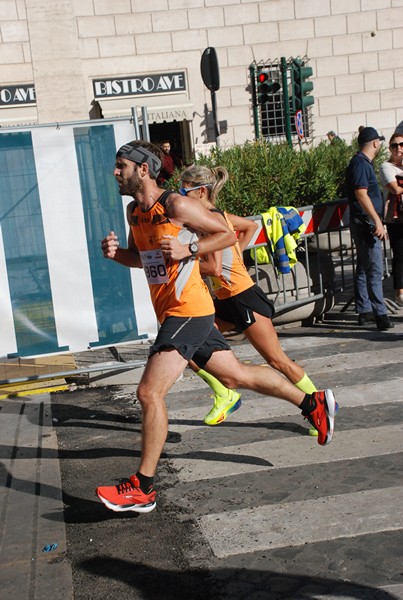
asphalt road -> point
(254, 508)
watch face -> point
(193, 248)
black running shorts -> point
(193, 337)
(239, 309)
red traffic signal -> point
(265, 87)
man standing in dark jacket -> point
(170, 162)
(367, 230)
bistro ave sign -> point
(15, 95)
(139, 85)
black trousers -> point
(395, 232)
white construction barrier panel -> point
(58, 199)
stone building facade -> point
(53, 51)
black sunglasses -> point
(395, 145)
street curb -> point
(33, 554)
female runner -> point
(239, 303)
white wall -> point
(355, 47)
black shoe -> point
(383, 322)
(366, 318)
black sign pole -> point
(146, 130)
(215, 120)
(211, 79)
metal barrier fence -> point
(288, 291)
(328, 254)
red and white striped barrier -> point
(330, 217)
(306, 216)
(259, 236)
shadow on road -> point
(223, 584)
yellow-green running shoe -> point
(223, 407)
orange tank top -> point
(234, 278)
(176, 287)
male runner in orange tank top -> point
(162, 240)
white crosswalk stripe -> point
(258, 407)
(364, 443)
(247, 529)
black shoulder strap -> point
(130, 209)
(164, 197)
(217, 210)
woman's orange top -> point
(234, 278)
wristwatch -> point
(193, 248)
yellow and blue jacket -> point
(283, 226)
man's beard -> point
(131, 187)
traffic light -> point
(266, 87)
(301, 88)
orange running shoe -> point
(322, 415)
(127, 496)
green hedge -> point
(262, 175)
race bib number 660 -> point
(154, 266)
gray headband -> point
(140, 155)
